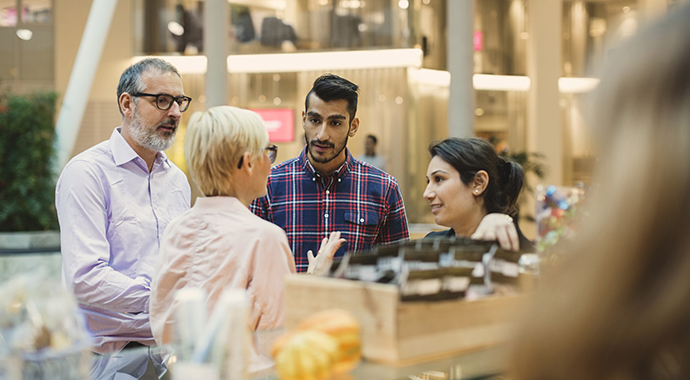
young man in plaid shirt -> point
(326, 189)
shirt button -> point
(328, 191)
(313, 179)
(325, 216)
(339, 179)
(361, 220)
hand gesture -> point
(321, 264)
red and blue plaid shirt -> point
(359, 200)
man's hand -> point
(498, 227)
(321, 264)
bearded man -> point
(325, 189)
(114, 201)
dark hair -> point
(130, 80)
(470, 155)
(331, 87)
(376, 141)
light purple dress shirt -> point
(112, 215)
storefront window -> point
(173, 26)
(500, 38)
(589, 28)
(500, 43)
(500, 117)
(8, 13)
(27, 44)
(37, 11)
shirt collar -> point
(123, 152)
(339, 173)
(227, 203)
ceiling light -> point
(25, 34)
(175, 28)
(501, 82)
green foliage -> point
(27, 182)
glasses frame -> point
(272, 154)
(175, 99)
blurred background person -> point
(618, 304)
(370, 156)
(219, 243)
(467, 181)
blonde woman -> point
(621, 308)
(219, 243)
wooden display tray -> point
(403, 333)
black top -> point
(525, 244)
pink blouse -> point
(217, 244)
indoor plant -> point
(27, 181)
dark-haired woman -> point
(467, 181)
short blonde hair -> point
(214, 142)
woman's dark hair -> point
(470, 155)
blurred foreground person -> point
(621, 307)
(466, 182)
(219, 243)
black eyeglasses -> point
(165, 101)
(272, 154)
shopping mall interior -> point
(516, 72)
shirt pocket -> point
(362, 228)
(368, 219)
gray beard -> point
(149, 139)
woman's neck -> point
(467, 226)
(238, 192)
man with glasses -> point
(114, 201)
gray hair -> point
(130, 80)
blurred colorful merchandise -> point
(558, 212)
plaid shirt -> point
(359, 200)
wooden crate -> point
(403, 333)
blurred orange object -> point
(344, 327)
(307, 355)
(339, 324)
